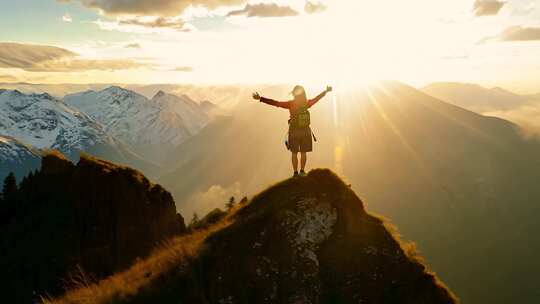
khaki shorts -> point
(300, 140)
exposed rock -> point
(305, 240)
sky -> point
(340, 42)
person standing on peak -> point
(300, 134)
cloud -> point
(43, 58)
(523, 10)
(264, 10)
(215, 196)
(8, 78)
(487, 7)
(183, 69)
(145, 25)
(160, 22)
(455, 57)
(67, 18)
(19, 55)
(519, 33)
(152, 8)
(132, 46)
(515, 33)
(526, 116)
(314, 7)
(81, 65)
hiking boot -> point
(302, 173)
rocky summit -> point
(310, 240)
(304, 240)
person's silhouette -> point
(300, 134)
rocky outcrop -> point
(310, 240)
(95, 216)
(305, 240)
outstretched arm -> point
(313, 101)
(279, 104)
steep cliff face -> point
(305, 240)
(94, 215)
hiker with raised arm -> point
(300, 134)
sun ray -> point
(394, 129)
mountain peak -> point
(208, 105)
(304, 240)
(12, 93)
(316, 231)
(114, 88)
(165, 121)
(159, 94)
(117, 91)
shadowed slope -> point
(306, 240)
(94, 215)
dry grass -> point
(176, 253)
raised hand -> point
(329, 89)
(256, 96)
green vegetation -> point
(10, 186)
(231, 203)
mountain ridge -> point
(475, 97)
(305, 240)
(94, 217)
(147, 126)
(44, 122)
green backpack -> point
(302, 119)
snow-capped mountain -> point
(44, 122)
(47, 123)
(17, 157)
(210, 108)
(147, 126)
(192, 114)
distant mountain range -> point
(115, 124)
(148, 127)
(44, 122)
(477, 98)
(523, 110)
(48, 123)
(222, 95)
